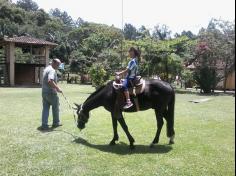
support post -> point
(36, 79)
(6, 50)
(47, 50)
(12, 63)
(41, 75)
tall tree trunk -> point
(225, 81)
(167, 71)
(225, 76)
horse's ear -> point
(78, 106)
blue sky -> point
(179, 15)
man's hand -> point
(58, 89)
(54, 86)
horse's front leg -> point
(114, 124)
(126, 130)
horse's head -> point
(83, 117)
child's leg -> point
(126, 89)
(127, 96)
(126, 92)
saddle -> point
(137, 86)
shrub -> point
(205, 73)
(98, 75)
(187, 77)
(207, 78)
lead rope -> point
(67, 101)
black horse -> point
(157, 95)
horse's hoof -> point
(171, 142)
(152, 145)
(112, 143)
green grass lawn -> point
(205, 140)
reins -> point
(70, 106)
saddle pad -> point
(134, 90)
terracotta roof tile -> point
(29, 40)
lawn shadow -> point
(123, 149)
(216, 93)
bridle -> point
(81, 108)
(81, 113)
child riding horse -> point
(131, 73)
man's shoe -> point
(43, 128)
(128, 105)
(56, 125)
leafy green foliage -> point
(206, 70)
(215, 54)
(97, 74)
(27, 5)
(130, 32)
(64, 17)
(188, 77)
(161, 32)
(163, 58)
(81, 43)
(80, 63)
(207, 79)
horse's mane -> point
(96, 92)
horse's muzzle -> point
(81, 126)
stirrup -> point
(128, 105)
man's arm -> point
(51, 82)
(53, 85)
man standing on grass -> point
(49, 95)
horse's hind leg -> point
(160, 122)
(126, 130)
(114, 124)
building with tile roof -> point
(22, 60)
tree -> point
(62, 15)
(161, 32)
(187, 77)
(130, 32)
(27, 5)
(41, 17)
(82, 43)
(53, 31)
(97, 74)
(7, 28)
(163, 58)
(80, 63)
(143, 32)
(188, 34)
(62, 51)
(94, 43)
(79, 22)
(219, 37)
(224, 32)
(110, 58)
(205, 73)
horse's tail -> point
(170, 116)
